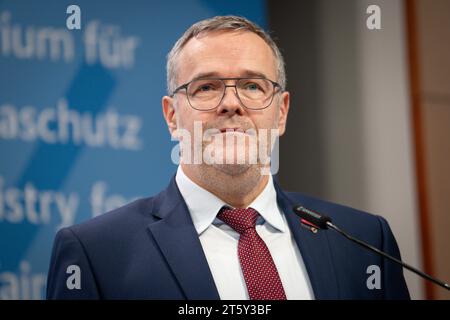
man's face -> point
(226, 55)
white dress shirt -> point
(220, 241)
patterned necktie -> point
(259, 270)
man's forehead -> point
(226, 54)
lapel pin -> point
(308, 225)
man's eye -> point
(252, 87)
(205, 87)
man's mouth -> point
(229, 129)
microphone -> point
(323, 222)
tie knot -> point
(239, 219)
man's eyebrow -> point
(243, 74)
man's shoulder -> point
(118, 224)
(132, 215)
(113, 224)
(369, 227)
(132, 212)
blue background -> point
(72, 168)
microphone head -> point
(313, 217)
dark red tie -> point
(260, 273)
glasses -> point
(206, 94)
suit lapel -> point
(178, 241)
(315, 251)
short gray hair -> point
(221, 23)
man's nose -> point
(230, 102)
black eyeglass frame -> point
(276, 86)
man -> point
(223, 228)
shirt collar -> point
(204, 206)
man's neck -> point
(238, 191)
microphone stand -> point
(320, 221)
(403, 264)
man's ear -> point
(169, 114)
(284, 109)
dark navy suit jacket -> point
(149, 249)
